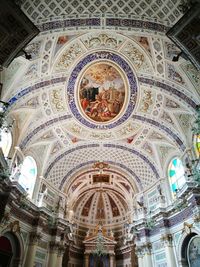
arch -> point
(193, 251)
(182, 247)
(28, 175)
(137, 179)
(13, 249)
(5, 251)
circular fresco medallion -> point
(102, 92)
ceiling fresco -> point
(106, 94)
(101, 92)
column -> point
(147, 261)
(140, 261)
(53, 252)
(61, 251)
(111, 260)
(140, 256)
(170, 257)
(30, 255)
(86, 260)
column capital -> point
(147, 247)
(61, 250)
(167, 239)
(53, 247)
(139, 252)
(34, 237)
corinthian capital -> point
(34, 237)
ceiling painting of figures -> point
(102, 92)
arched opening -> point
(193, 251)
(5, 251)
(28, 175)
(176, 175)
(9, 250)
(184, 249)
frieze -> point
(102, 40)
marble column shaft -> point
(170, 257)
(53, 254)
(30, 255)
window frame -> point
(178, 184)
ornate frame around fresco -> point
(186, 34)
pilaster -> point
(168, 244)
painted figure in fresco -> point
(102, 92)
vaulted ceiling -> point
(159, 98)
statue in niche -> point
(88, 233)
(159, 190)
(42, 195)
(60, 206)
(16, 171)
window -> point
(28, 175)
(176, 175)
(5, 141)
(197, 144)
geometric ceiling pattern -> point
(106, 92)
(167, 11)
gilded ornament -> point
(69, 56)
(147, 101)
(102, 40)
(57, 100)
(135, 55)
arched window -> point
(176, 175)
(5, 141)
(28, 175)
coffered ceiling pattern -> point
(167, 11)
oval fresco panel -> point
(114, 114)
(102, 92)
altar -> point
(99, 249)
